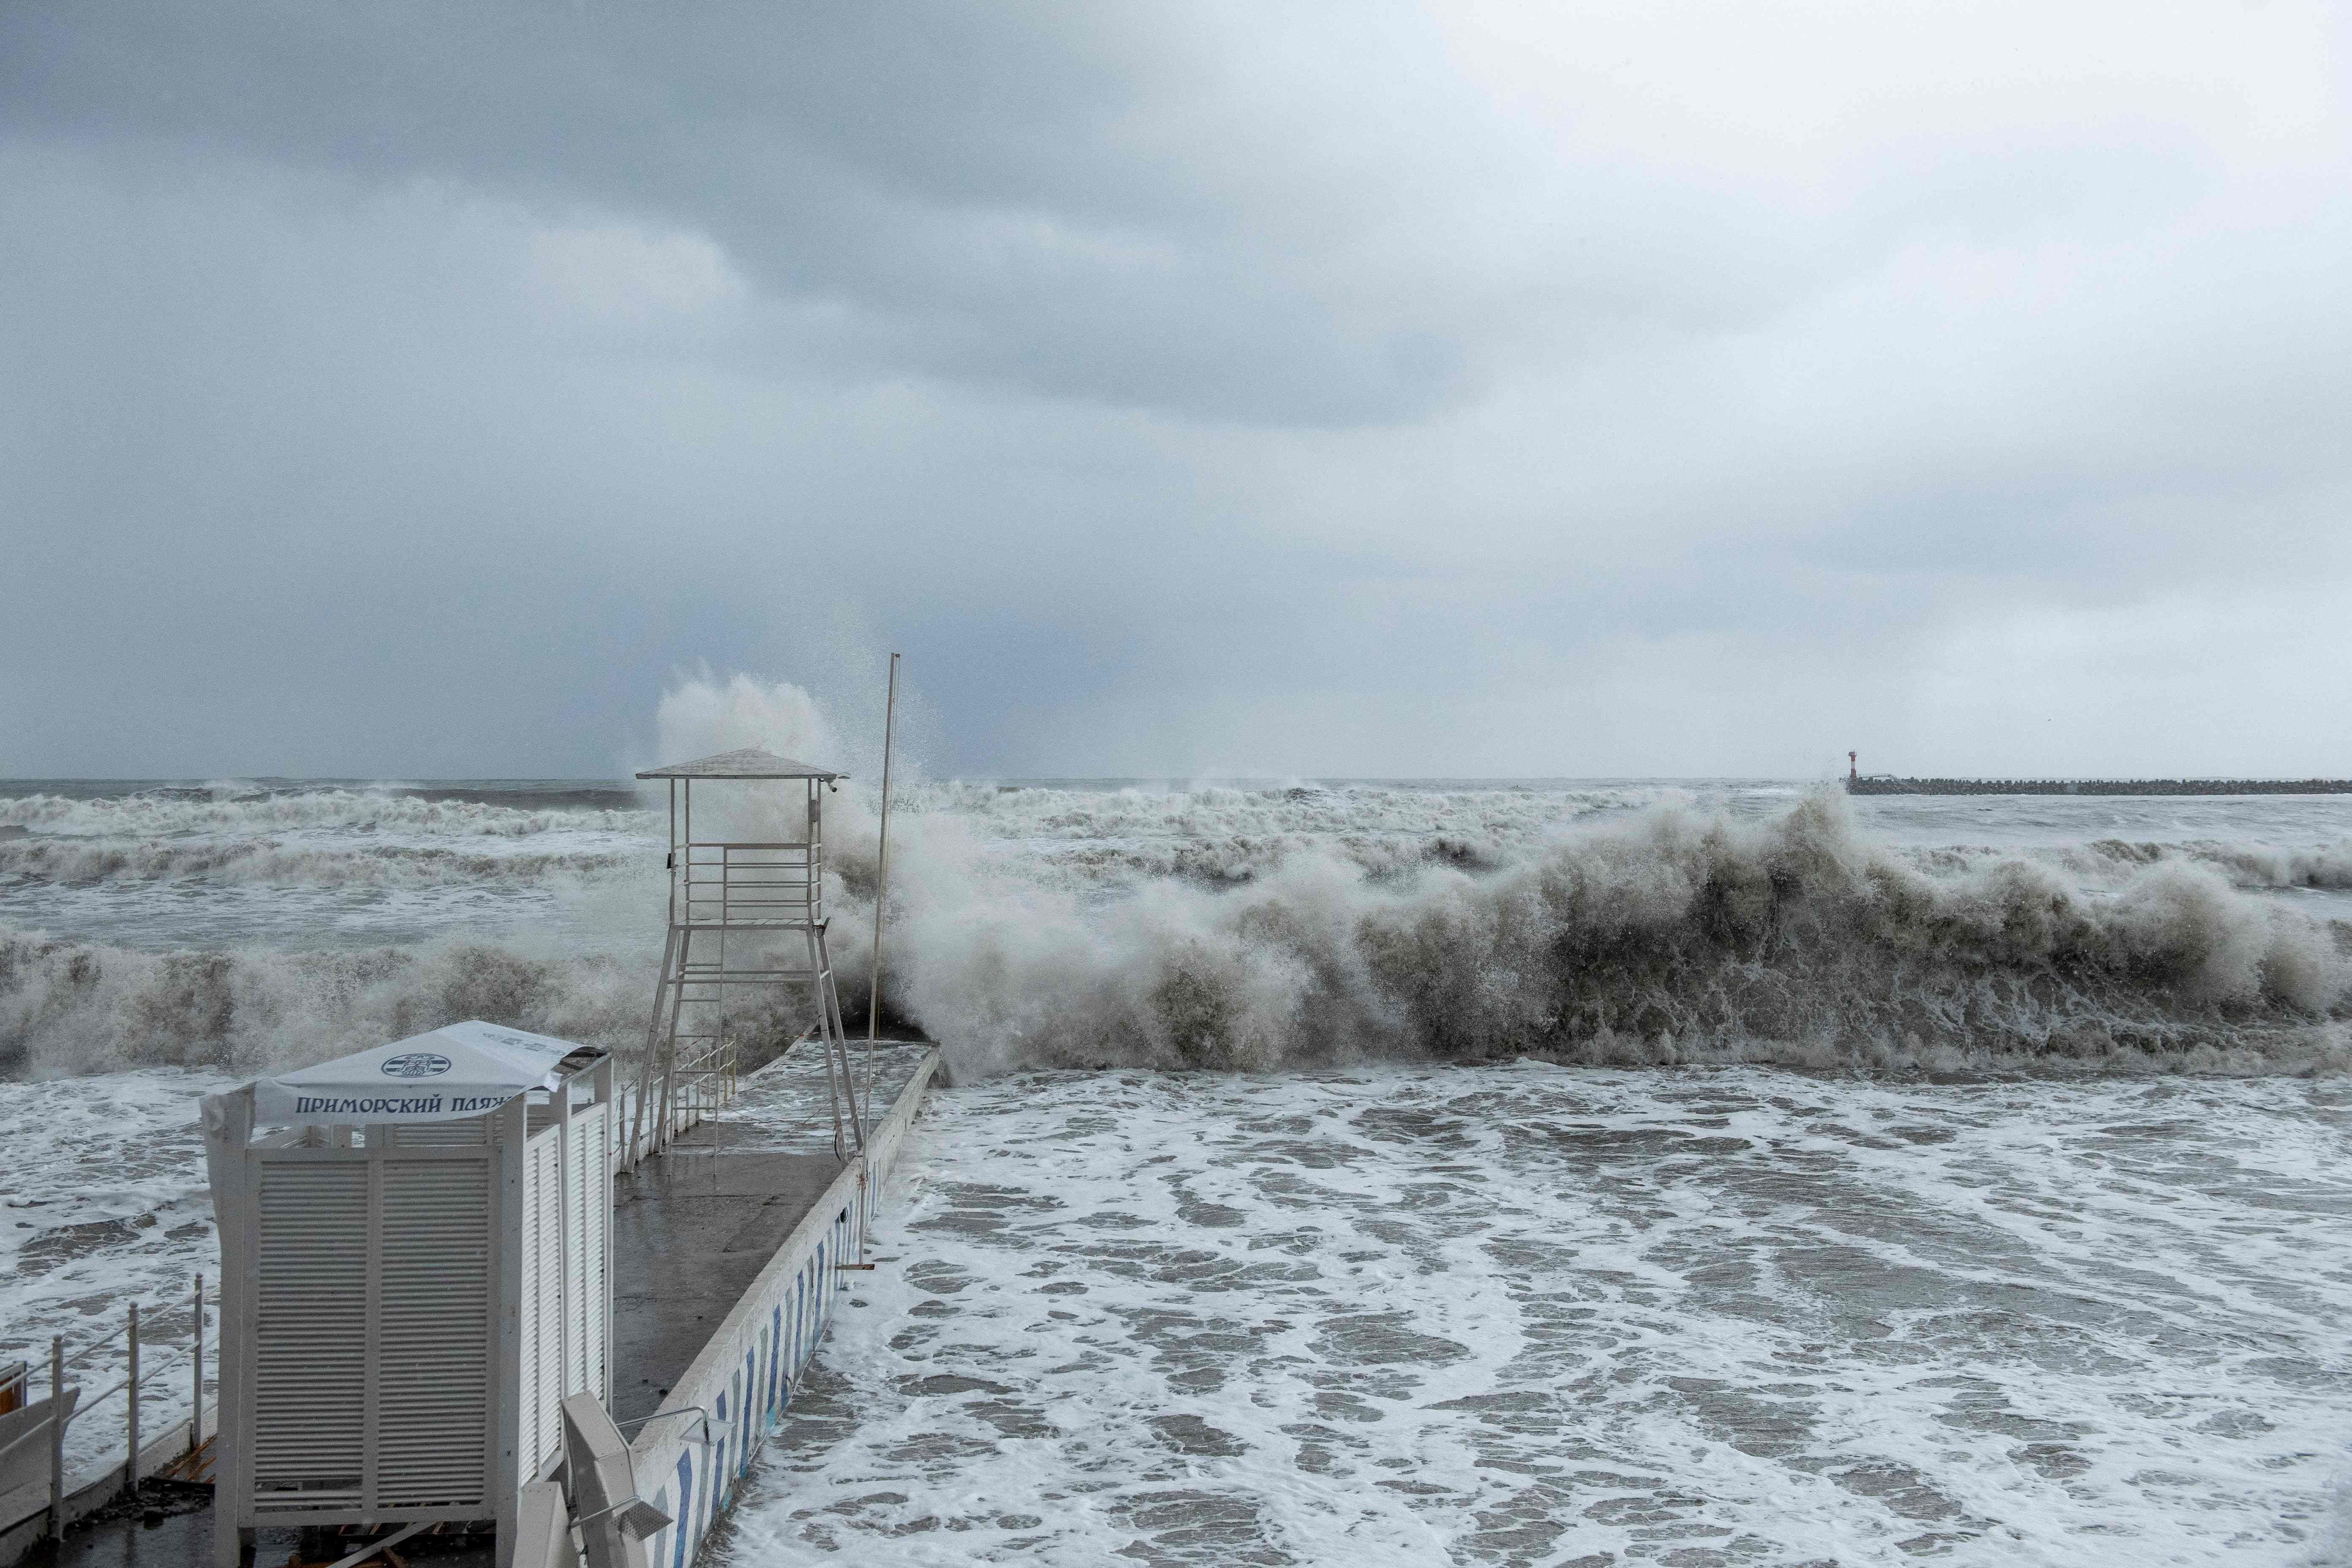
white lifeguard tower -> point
(743, 913)
(415, 1252)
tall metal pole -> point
(881, 871)
(196, 1378)
(131, 1422)
(57, 1438)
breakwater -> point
(1884, 785)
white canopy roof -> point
(464, 1069)
(749, 763)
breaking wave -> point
(75, 862)
(1222, 837)
(173, 813)
(2109, 861)
(80, 1007)
(1216, 927)
(1670, 935)
(2248, 864)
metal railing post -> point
(57, 1438)
(196, 1376)
(130, 1420)
(881, 883)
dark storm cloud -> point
(1348, 388)
(1010, 195)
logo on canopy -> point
(416, 1064)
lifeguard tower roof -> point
(751, 762)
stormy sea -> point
(1383, 1172)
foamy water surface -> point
(1527, 1314)
(2042, 1258)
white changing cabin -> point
(415, 1251)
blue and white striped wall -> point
(745, 1376)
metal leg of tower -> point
(716, 1057)
(637, 1128)
(670, 1047)
(833, 1087)
(836, 1039)
(687, 1034)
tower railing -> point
(727, 883)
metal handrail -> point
(79, 1356)
(85, 1407)
(136, 1377)
(77, 1359)
(104, 1340)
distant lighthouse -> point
(1850, 772)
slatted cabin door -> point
(432, 1376)
(587, 1243)
(542, 1303)
(310, 1353)
(371, 1365)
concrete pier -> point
(691, 1229)
(744, 1222)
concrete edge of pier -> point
(708, 1430)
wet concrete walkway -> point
(691, 1228)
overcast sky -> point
(1621, 388)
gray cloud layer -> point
(408, 389)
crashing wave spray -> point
(80, 1007)
(1673, 934)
